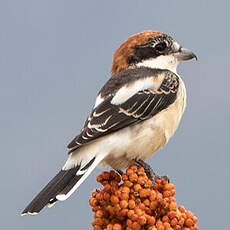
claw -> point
(164, 178)
(120, 172)
(149, 171)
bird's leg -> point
(149, 171)
(120, 172)
(164, 178)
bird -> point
(136, 112)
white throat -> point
(162, 62)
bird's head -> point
(149, 49)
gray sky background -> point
(55, 56)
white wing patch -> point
(99, 100)
(127, 91)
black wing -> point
(107, 117)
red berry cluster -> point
(137, 205)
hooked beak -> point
(184, 55)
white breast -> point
(144, 139)
(169, 118)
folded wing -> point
(108, 117)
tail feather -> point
(82, 174)
(72, 182)
(50, 191)
(62, 186)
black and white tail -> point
(61, 186)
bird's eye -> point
(160, 47)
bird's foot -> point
(149, 171)
(163, 178)
(120, 172)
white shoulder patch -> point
(127, 91)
